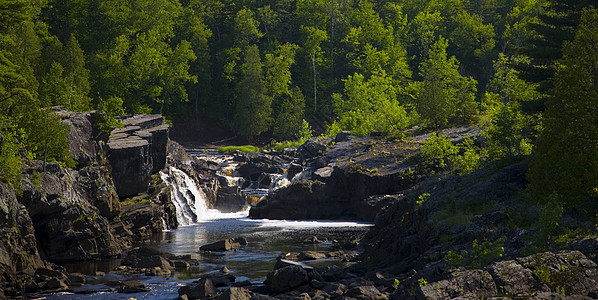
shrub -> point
(246, 148)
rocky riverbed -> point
(434, 236)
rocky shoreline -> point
(435, 236)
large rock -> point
(136, 151)
(341, 197)
(204, 289)
(18, 247)
(235, 293)
(224, 245)
(67, 226)
(147, 258)
(286, 279)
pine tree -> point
(565, 162)
(253, 109)
(445, 93)
(556, 25)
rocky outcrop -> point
(549, 275)
(136, 151)
(18, 247)
(81, 135)
(67, 226)
(343, 196)
(459, 209)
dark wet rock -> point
(202, 290)
(286, 279)
(311, 255)
(147, 258)
(241, 240)
(223, 280)
(339, 198)
(76, 279)
(367, 292)
(342, 136)
(224, 245)
(312, 148)
(55, 284)
(230, 199)
(235, 293)
(132, 287)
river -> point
(267, 239)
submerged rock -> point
(224, 245)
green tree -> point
(565, 161)
(444, 92)
(289, 121)
(369, 105)
(252, 114)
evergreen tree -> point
(252, 115)
(557, 24)
(444, 91)
(565, 164)
(289, 120)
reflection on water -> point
(266, 240)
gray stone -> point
(235, 293)
(202, 290)
(286, 278)
(132, 287)
(224, 245)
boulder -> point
(322, 174)
(224, 245)
(474, 284)
(204, 289)
(132, 287)
(312, 148)
(311, 255)
(235, 293)
(230, 199)
(286, 279)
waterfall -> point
(188, 199)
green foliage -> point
(252, 115)
(46, 136)
(10, 161)
(479, 256)
(370, 105)
(445, 94)
(564, 163)
(551, 214)
(438, 152)
(246, 148)
(36, 179)
(106, 111)
(422, 198)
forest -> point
(525, 71)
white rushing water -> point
(190, 201)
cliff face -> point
(61, 214)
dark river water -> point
(267, 239)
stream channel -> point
(267, 239)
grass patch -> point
(280, 146)
(246, 148)
(129, 201)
